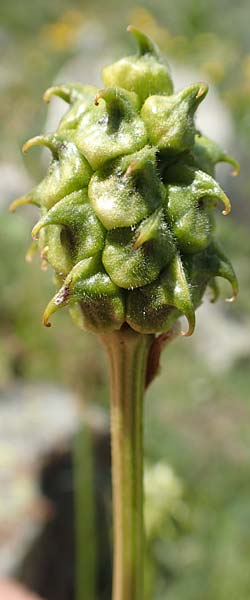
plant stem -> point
(128, 353)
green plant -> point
(127, 225)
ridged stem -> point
(128, 353)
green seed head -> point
(127, 206)
(144, 73)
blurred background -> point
(197, 413)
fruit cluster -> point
(127, 204)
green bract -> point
(127, 205)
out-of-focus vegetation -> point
(197, 413)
